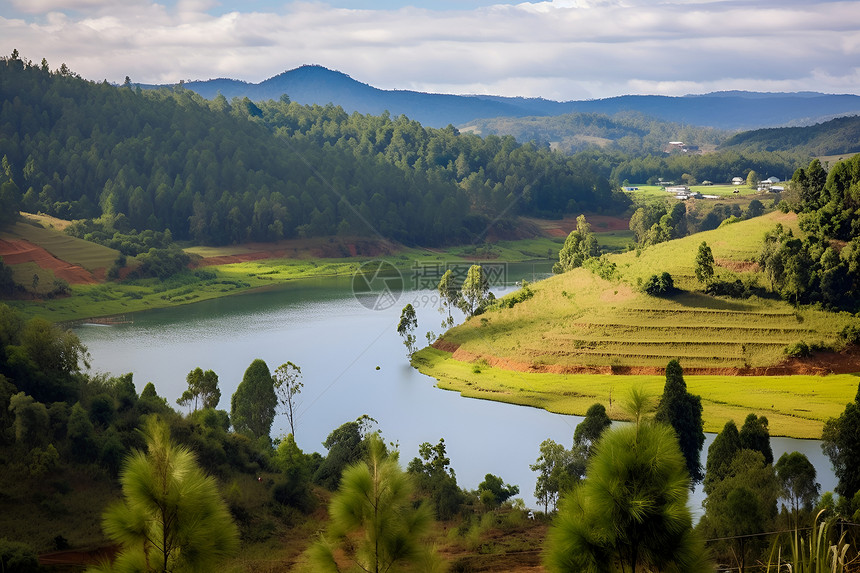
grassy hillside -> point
(540, 351)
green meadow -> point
(579, 322)
(795, 406)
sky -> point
(557, 49)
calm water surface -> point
(338, 343)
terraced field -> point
(578, 321)
(700, 338)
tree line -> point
(824, 266)
(219, 172)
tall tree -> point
(558, 470)
(589, 430)
(721, 452)
(683, 411)
(435, 477)
(630, 513)
(796, 476)
(449, 297)
(172, 517)
(841, 443)
(704, 263)
(579, 246)
(493, 491)
(752, 179)
(373, 520)
(253, 404)
(475, 291)
(755, 435)
(288, 386)
(202, 387)
(346, 445)
(407, 325)
(741, 505)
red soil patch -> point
(822, 363)
(20, 251)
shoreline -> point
(109, 299)
(724, 397)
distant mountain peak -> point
(735, 109)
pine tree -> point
(172, 517)
(630, 513)
(373, 520)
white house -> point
(678, 189)
(738, 181)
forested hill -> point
(629, 132)
(837, 136)
(218, 171)
(723, 110)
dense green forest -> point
(222, 172)
(834, 137)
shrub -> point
(659, 286)
(16, 557)
(850, 334)
(797, 350)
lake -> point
(353, 363)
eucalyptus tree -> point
(841, 443)
(591, 428)
(579, 246)
(475, 292)
(449, 297)
(202, 387)
(796, 476)
(407, 325)
(704, 263)
(288, 386)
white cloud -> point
(561, 49)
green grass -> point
(615, 241)
(795, 406)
